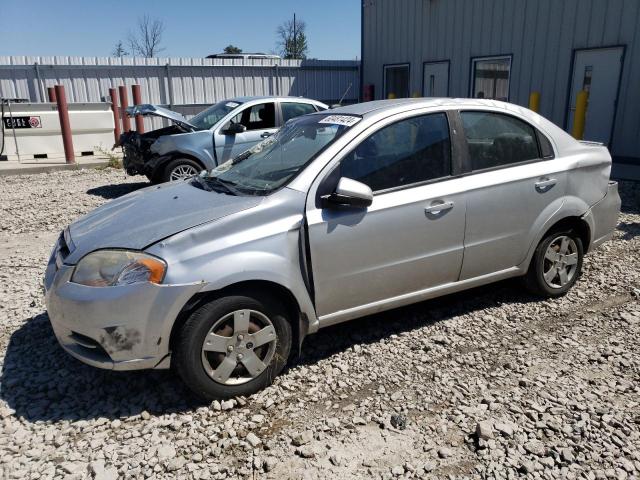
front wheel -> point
(556, 264)
(233, 346)
(180, 168)
(154, 177)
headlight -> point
(105, 268)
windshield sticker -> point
(232, 104)
(346, 120)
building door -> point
(396, 81)
(596, 71)
(435, 81)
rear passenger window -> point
(497, 140)
(410, 151)
(292, 110)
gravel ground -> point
(490, 383)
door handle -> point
(265, 135)
(544, 185)
(436, 208)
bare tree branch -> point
(145, 41)
(119, 50)
(292, 39)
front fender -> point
(259, 264)
(197, 145)
(261, 244)
(271, 269)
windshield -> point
(274, 162)
(212, 115)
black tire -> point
(155, 176)
(177, 163)
(535, 281)
(188, 361)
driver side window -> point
(257, 117)
(410, 151)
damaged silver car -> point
(339, 215)
(185, 148)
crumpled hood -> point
(158, 111)
(146, 216)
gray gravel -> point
(490, 383)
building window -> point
(490, 77)
(396, 81)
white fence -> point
(184, 84)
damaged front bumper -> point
(135, 152)
(117, 328)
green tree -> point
(292, 39)
(232, 49)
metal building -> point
(507, 49)
(187, 85)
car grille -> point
(62, 251)
(64, 248)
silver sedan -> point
(340, 214)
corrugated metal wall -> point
(540, 34)
(185, 84)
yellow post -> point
(391, 96)
(534, 101)
(580, 115)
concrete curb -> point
(33, 169)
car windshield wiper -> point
(201, 183)
(227, 185)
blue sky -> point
(193, 28)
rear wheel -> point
(180, 168)
(233, 346)
(556, 264)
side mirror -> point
(349, 193)
(234, 128)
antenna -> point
(295, 38)
(345, 94)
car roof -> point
(379, 106)
(269, 97)
(378, 109)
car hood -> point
(158, 111)
(147, 216)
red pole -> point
(137, 100)
(65, 126)
(116, 114)
(124, 103)
(52, 94)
